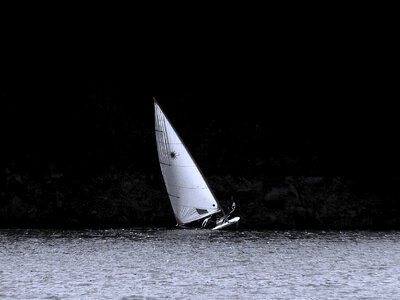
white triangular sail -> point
(190, 196)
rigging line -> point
(165, 164)
(167, 138)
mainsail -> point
(190, 196)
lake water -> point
(199, 264)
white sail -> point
(190, 196)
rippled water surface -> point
(198, 264)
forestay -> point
(190, 196)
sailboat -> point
(189, 193)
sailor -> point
(205, 222)
(226, 217)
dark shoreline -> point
(322, 203)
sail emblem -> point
(174, 155)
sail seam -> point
(181, 166)
(199, 217)
(190, 188)
(211, 209)
(174, 196)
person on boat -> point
(226, 217)
(212, 221)
(216, 219)
(206, 222)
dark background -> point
(297, 123)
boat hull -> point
(227, 224)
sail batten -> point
(189, 193)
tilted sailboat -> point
(191, 197)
